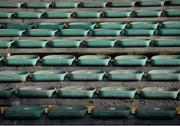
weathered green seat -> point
(167, 42)
(18, 26)
(122, 4)
(165, 74)
(125, 75)
(166, 60)
(58, 14)
(143, 25)
(112, 25)
(94, 60)
(117, 92)
(58, 60)
(67, 112)
(148, 13)
(28, 15)
(35, 92)
(73, 32)
(100, 43)
(87, 75)
(150, 3)
(81, 25)
(155, 112)
(173, 13)
(66, 4)
(6, 14)
(11, 32)
(41, 32)
(93, 4)
(134, 42)
(76, 92)
(49, 75)
(113, 112)
(54, 26)
(6, 92)
(139, 32)
(106, 32)
(172, 3)
(159, 93)
(87, 14)
(171, 24)
(134, 60)
(1, 58)
(13, 76)
(117, 13)
(10, 4)
(36, 5)
(23, 112)
(28, 43)
(169, 32)
(65, 43)
(6, 43)
(29, 60)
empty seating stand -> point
(90, 61)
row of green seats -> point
(90, 43)
(91, 25)
(91, 60)
(84, 32)
(90, 14)
(89, 92)
(89, 4)
(90, 75)
(80, 111)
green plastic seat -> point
(112, 25)
(148, 13)
(93, 4)
(171, 24)
(23, 112)
(122, 4)
(65, 43)
(164, 75)
(76, 92)
(58, 14)
(94, 60)
(13, 76)
(117, 13)
(11, 32)
(18, 26)
(143, 25)
(139, 32)
(36, 5)
(155, 112)
(81, 25)
(167, 42)
(41, 32)
(67, 112)
(159, 93)
(10, 5)
(150, 3)
(66, 5)
(173, 13)
(106, 32)
(28, 15)
(87, 14)
(87, 75)
(58, 60)
(100, 43)
(6, 92)
(25, 43)
(6, 14)
(54, 26)
(132, 60)
(29, 60)
(74, 32)
(172, 3)
(169, 32)
(49, 75)
(134, 42)
(1, 58)
(125, 75)
(117, 92)
(166, 60)
(35, 92)
(6, 43)
(111, 112)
